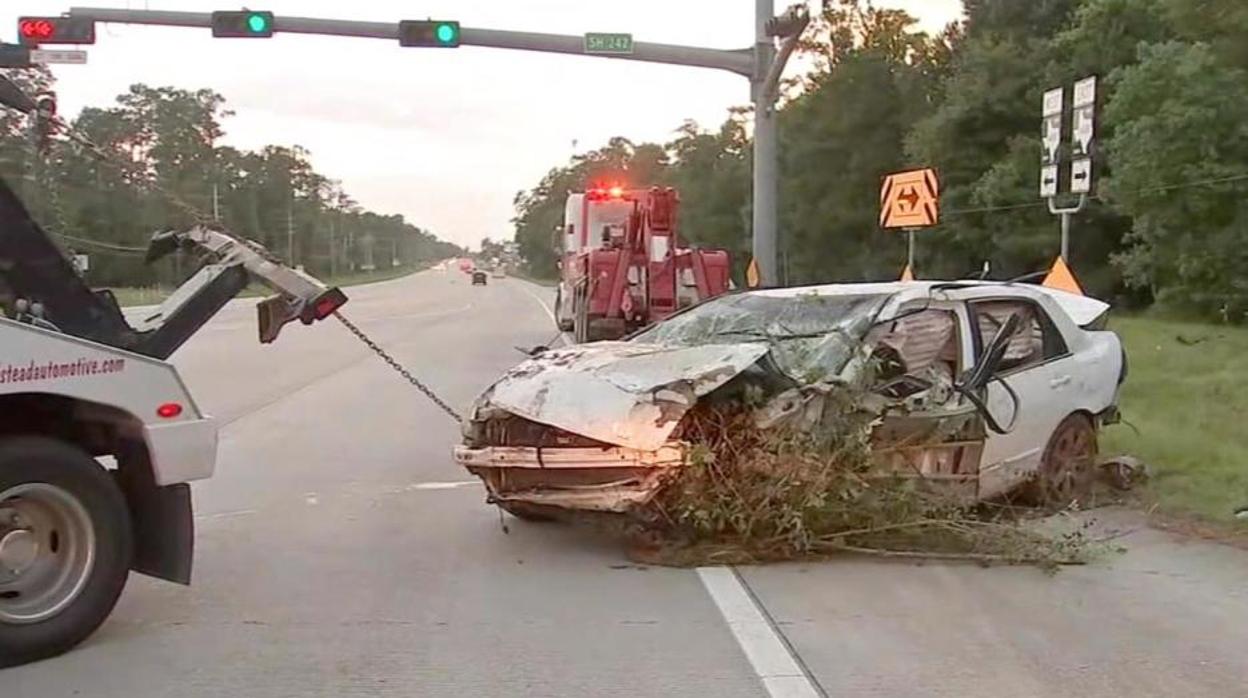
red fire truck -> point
(622, 266)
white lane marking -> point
(542, 303)
(225, 515)
(441, 485)
(567, 339)
(770, 657)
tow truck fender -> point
(162, 520)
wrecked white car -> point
(986, 386)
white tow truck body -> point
(143, 397)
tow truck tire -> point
(71, 506)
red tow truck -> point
(622, 266)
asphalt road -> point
(342, 553)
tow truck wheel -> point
(580, 313)
(65, 547)
(564, 324)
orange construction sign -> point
(910, 199)
(1060, 277)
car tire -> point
(1068, 464)
(580, 313)
(69, 511)
(562, 323)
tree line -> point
(1168, 224)
(166, 167)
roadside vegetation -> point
(1185, 407)
(153, 295)
(754, 495)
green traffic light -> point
(446, 33)
(257, 23)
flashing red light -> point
(36, 29)
(616, 192)
(169, 410)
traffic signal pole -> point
(760, 64)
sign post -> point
(1083, 139)
(910, 201)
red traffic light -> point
(36, 29)
(32, 31)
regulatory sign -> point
(608, 43)
(910, 199)
(1048, 181)
(1081, 176)
(1084, 116)
(66, 56)
(1052, 130)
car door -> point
(1038, 369)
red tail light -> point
(329, 301)
(169, 410)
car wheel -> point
(1067, 467)
(563, 324)
(580, 312)
(65, 548)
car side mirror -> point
(977, 378)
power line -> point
(1148, 190)
(104, 246)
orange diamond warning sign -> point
(910, 199)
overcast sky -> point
(443, 136)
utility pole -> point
(290, 232)
(762, 64)
(333, 247)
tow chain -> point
(103, 156)
(399, 367)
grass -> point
(1188, 398)
(153, 296)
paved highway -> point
(341, 553)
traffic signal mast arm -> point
(737, 61)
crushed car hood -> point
(621, 393)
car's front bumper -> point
(582, 479)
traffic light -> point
(245, 24)
(429, 33)
(33, 31)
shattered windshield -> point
(812, 336)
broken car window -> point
(811, 336)
(1036, 341)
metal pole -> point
(736, 61)
(1066, 237)
(290, 233)
(765, 156)
(910, 249)
(1065, 214)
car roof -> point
(1081, 309)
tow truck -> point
(99, 436)
(622, 266)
